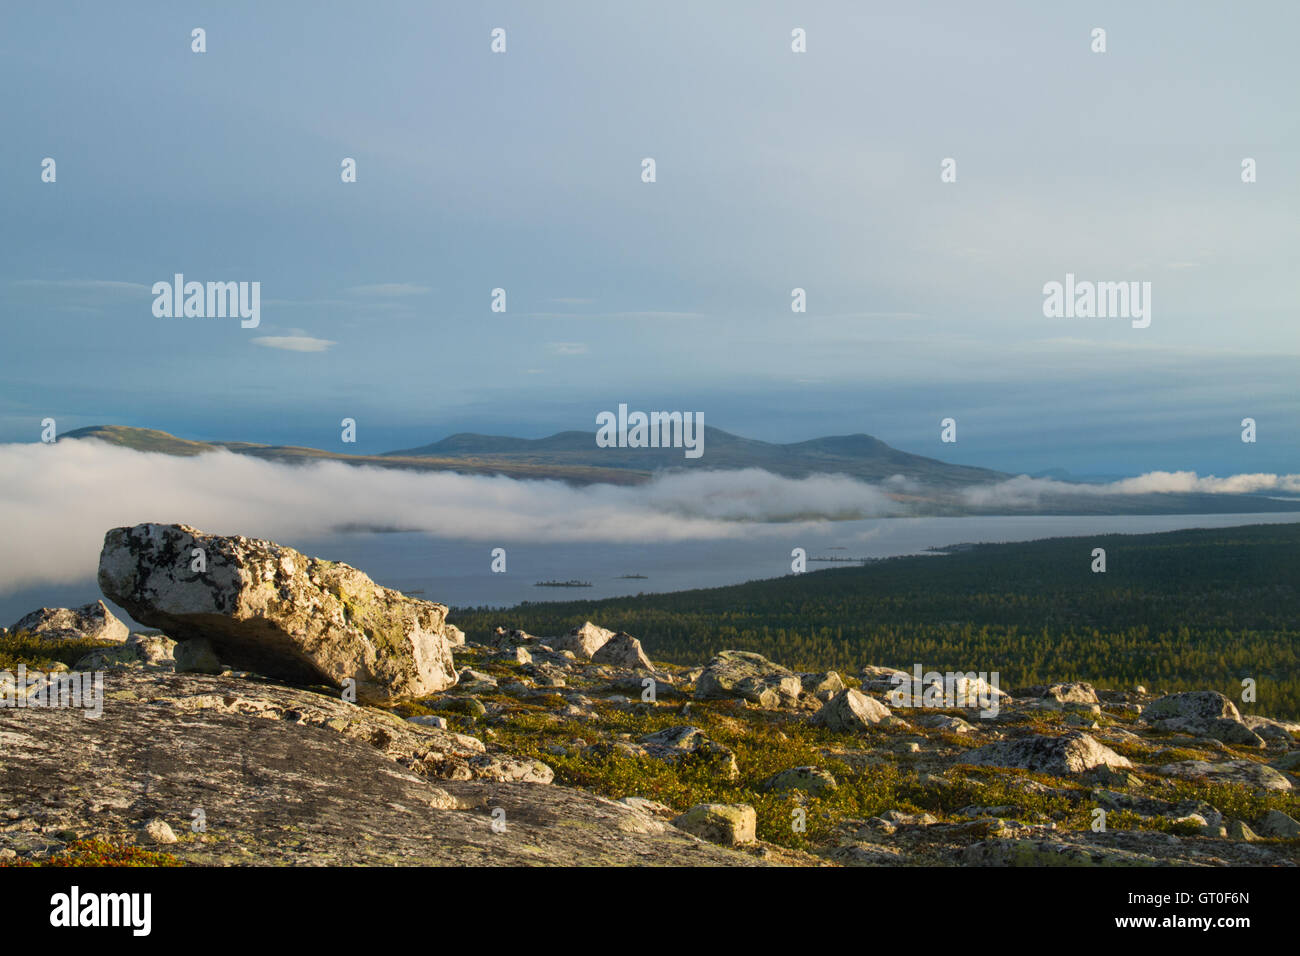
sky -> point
(775, 170)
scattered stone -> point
(879, 679)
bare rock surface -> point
(285, 776)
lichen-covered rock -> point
(582, 641)
(821, 686)
(1197, 704)
(91, 622)
(271, 610)
(1076, 696)
(1276, 732)
(622, 650)
(1074, 752)
(1277, 825)
(748, 676)
(850, 711)
(1222, 729)
(1246, 772)
(811, 780)
(724, 823)
(1201, 713)
(155, 649)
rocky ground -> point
(576, 749)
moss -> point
(22, 647)
(94, 852)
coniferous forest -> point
(1199, 609)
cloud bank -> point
(57, 501)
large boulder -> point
(91, 622)
(1074, 752)
(272, 610)
(748, 676)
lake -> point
(458, 572)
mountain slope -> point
(859, 456)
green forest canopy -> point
(1183, 610)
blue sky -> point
(775, 170)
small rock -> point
(429, 720)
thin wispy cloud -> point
(294, 343)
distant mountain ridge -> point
(930, 486)
(858, 456)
